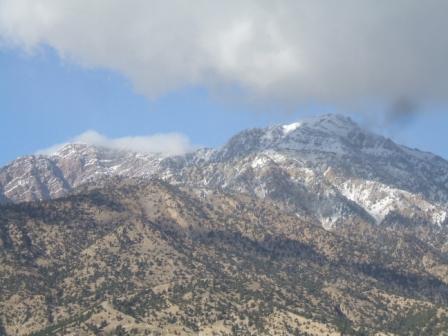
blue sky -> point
(206, 70)
(45, 100)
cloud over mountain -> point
(290, 51)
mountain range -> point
(312, 228)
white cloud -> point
(166, 144)
(285, 50)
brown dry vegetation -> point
(133, 258)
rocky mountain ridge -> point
(327, 168)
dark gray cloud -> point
(402, 111)
(292, 51)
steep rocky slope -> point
(327, 168)
(144, 257)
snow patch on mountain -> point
(291, 127)
(380, 200)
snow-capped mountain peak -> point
(326, 167)
(330, 123)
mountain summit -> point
(326, 168)
(310, 134)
